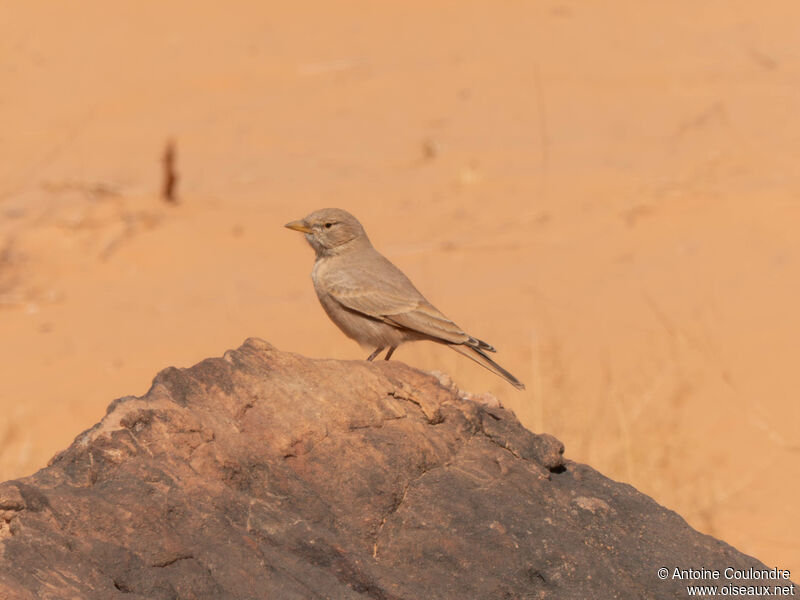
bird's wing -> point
(426, 319)
(391, 298)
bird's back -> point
(367, 271)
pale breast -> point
(368, 332)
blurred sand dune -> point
(621, 178)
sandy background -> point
(607, 192)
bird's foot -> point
(372, 356)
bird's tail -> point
(480, 344)
(480, 357)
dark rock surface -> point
(265, 474)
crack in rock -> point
(432, 414)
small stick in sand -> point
(170, 175)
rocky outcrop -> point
(265, 474)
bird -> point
(371, 300)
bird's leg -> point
(374, 354)
(390, 352)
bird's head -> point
(330, 230)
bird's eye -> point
(328, 225)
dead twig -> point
(170, 180)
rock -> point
(265, 474)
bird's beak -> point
(298, 226)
